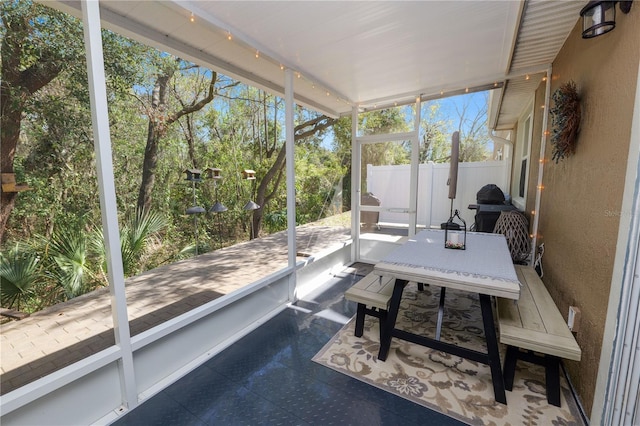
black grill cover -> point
(490, 194)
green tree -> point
(161, 117)
(41, 46)
(474, 133)
(435, 143)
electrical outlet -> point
(573, 320)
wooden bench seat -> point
(535, 324)
(372, 294)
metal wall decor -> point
(565, 120)
(455, 232)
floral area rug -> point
(451, 385)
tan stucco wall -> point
(582, 195)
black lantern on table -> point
(455, 232)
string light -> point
(417, 99)
(495, 84)
(526, 77)
(540, 187)
(466, 90)
(229, 36)
(192, 18)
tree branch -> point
(198, 105)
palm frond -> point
(19, 272)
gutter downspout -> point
(539, 187)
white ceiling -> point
(356, 53)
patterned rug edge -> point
(418, 401)
(348, 328)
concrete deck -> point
(68, 332)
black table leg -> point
(360, 313)
(440, 312)
(390, 321)
(509, 370)
(492, 348)
(552, 379)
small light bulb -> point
(299, 75)
(192, 18)
(229, 35)
(466, 90)
(281, 67)
(257, 54)
(526, 77)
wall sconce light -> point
(599, 17)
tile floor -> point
(268, 378)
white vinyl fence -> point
(390, 184)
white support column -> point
(415, 159)
(543, 145)
(291, 178)
(102, 146)
(355, 186)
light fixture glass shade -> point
(195, 210)
(251, 206)
(218, 207)
(598, 17)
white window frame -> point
(522, 152)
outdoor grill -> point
(490, 201)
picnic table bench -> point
(372, 294)
(535, 324)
